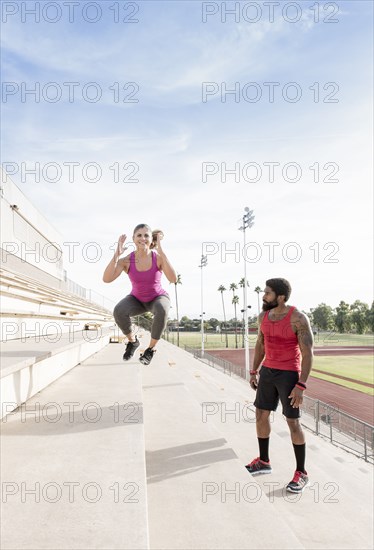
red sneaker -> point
(258, 466)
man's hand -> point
(296, 397)
(253, 381)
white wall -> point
(26, 233)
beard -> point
(267, 306)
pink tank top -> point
(282, 349)
(146, 285)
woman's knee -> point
(116, 312)
(120, 311)
(161, 310)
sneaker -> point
(299, 482)
(131, 347)
(258, 466)
(147, 356)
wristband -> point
(252, 372)
(303, 387)
(301, 384)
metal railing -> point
(217, 362)
(322, 418)
(340, 427)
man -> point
(284, 350)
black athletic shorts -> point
(275, 384)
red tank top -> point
(282, 349)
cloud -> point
(170, 134)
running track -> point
(356, 403)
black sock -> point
(263, 443)
(300, 457)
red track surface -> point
(356, 403)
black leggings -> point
(131, 306)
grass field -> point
(211, 340)
(323, 339)
(336, 339)
(359, 367)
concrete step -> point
(82, 454)
(200, 496)
(29, 365)
(340, 483)
(176, 482)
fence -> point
(340, 427)
(322, 418)
(217, 362)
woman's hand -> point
(159, 236)
(115, 266)
(121, 245)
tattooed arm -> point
(259, 353)
(301, 326)
(305, 338)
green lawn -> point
(335, 339)
(213, 340)
(344, 383)
(358, 367)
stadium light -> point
(203, 263)
(248, 222)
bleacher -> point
(122, 456)
(45, 331)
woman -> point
(144, 268)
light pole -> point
(243, 310)
(203, 263)
(248, 221)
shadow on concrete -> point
(185, 459)
(69, 417)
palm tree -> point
(177, 282)
(258, 290)
(241, 284)
(234, 287)
(235, 301)
(222, 289)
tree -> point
(359, 316)
(258, 290)
(177, 282)
(235, 301)
(241, 284)
(370, 318)
(323, 317)
(234, 287)
(214, 323)
(222, 289)
(342, 317)
(187, 323)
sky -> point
(137, 95)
